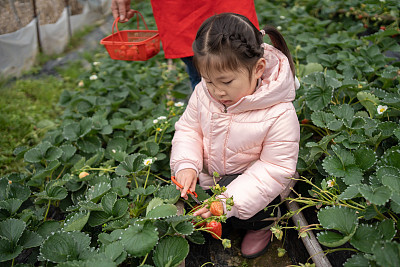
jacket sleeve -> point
(187, 144)
(267, 177)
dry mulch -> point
(16, 14)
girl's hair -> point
(229, 41)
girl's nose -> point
(220, 92)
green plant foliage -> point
(170, 251)
(96, 187)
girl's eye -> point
(227, 82)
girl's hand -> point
(188, 179)
(203, 212)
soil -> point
(15, 14)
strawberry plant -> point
(96, 189)
(348, 107)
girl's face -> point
(228, 87)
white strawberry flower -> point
(155, 121)
(96, 63)
(147, 162)
(331, 183)
(80, 84)
(282, 17)
(279, 28)
(381, 109)
(93, 77)
(162, 118)
(179, 104)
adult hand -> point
(188, 179)
(122, 9)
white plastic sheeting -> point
(19, 49)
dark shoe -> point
(255, 243)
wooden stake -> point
(37, 25)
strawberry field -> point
(96, 188)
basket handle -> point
(115, 24)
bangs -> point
(207, 64)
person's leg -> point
(194, 76)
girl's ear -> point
(260, 67)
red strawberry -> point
(305, 121)
(216, 229)
(383, 28)
(216, 208)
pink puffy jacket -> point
(258, 137)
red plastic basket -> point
(132, 45)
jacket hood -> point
(277, 84)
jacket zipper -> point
(225, 109)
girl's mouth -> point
(225, 102)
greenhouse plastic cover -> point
(19, 49)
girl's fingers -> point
(202, 212)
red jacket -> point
(178, 20)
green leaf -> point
(65, 246)
(387, 253)
(131, 164)
(12, 229)
(349, 193)
(184, 228)
(96, 192)
(56, 193)
(335, 125)
(161, 211)
(369, 101)
(30, 239)
(89, 144)
(377, 196)
(392, 181)
(344, 111)
(364, 237)
(197, 238)
(332, 239)
(98, 218)
(396, 133)
(115, 252)
(120, 208)
(357, 260)
(355, 123)
(119, 186)
(318, 98)
(76, 130)
(12, 205)
(138, 240)
(152, 148)
(322, 119)
(76, 222)
(338, 218)
(305, 70)
(68, 153)
(168, 193)
(386, 170)
(47, 228)
(391, 158)
(170, 251)
(388, 229)
(365, 158)
(8, 250)
(108, 201)
(154, 203)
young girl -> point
(240, 123)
